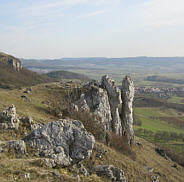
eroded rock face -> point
(114, 97)
(15, 63)
(95, 100)
(111, 172)
(104, 100)
(9, 119)
(12, 61)
(127, 110)
(62, 142)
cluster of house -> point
(161, 92)
(154, 90)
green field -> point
(150, 119)
(153, 123)
(175, 99)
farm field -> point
(175, 99)
(162, 126)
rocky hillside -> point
(13, 75)
(12, 61)
(37, 144)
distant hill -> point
(13, 75)
(115, 67)
(67, 75)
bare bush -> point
(90, 122)
(120, 143)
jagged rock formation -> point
(62, 142)
(114, 97)
(105, 100)
(9, 119)
(113, 173)
(12, 61)
(127, 110)
(95, 100)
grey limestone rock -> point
(114, 97)
(12, 61)
(9, 119)
(63, 142)
(127, 109)
(105, 100)
(18, 146)
(95, 100)
(111, 172)
(15, 63)
(28, 122)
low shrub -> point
(120, 143)
(90, 122)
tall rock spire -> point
(127, 109)
(114, 96)
(104, 100)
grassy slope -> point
(136, 171)
(12, 169)
(35, 108)
(13, 79)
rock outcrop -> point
(114, 97)
(29, 124)
(105, 100)
(12, 61)
(95, 100)
(9, 119)
(127, 109)
(18, 146)
(113, 173)
(63, 142)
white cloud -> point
(95, 13)
(163, 13)
(43, 13)
(42, 6)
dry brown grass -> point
(14, 169)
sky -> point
(91, 28)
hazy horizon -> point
(46, 29)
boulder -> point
(29, 124)
(63, 142)
(79, 169)
(27, 121)
(111, 172)
(9, 119)
(18, 146)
